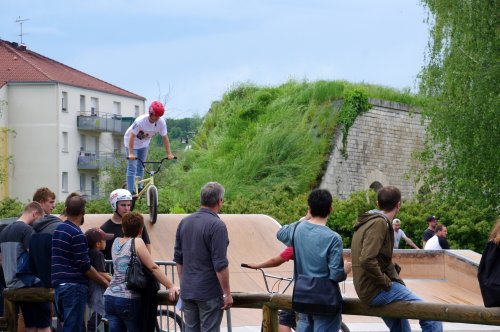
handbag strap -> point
(293, 247)
(132, 249)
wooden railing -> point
(270, 304)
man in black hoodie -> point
(376, 278)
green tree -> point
(461, 80)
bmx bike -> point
(168, 320)
(146, 187)
(275, 289)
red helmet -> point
(156, 108)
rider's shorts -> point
(287, 318)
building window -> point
(64, 102)
(94, 106)
(117, 145)
(64, 141)
(136, 111)
(117, 108)
(64, 186)
(94, 190)
(82, 183)
(82, 104)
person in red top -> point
(287, 319)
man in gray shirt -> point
(201, 255)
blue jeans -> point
(123, 314)
(316, 323)
(70, 305)
(399, 292)
(203, 316)
(135, 167)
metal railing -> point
(96, 160)
(101, 121)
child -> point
(96, 239)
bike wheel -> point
(344, 328)
(153, 204)
(168, 320)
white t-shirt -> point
(397, 238)
(144, 131)
(433, 244)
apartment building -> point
(58, 125)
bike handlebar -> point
(159, 163)
(278, 279)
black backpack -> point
(488, 275)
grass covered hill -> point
(268, 145)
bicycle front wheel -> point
(153, 204)
(168, 320)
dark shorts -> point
(287, 318)
(36, 314)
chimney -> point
(14, 44)
(22, 47)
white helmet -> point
(119, 195)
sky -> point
(190, 52)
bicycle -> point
(168, 320)
(275, 289)
(148, 188)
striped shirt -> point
(70, 255)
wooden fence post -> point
(269, 319)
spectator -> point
(96, 239)
(318, 252)
(71, 267)
(137, 139)
(438, 241)
(488, 273)
(14, 244)
(46, 198)
(399, 234)
(375, 277)
(201, 255)
(429, 232)
(123, 305)
(287, 318)
(121, 202)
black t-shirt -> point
(443, 242)
(97, 259)
(428, 233)
(116, 229)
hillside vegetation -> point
(269, 146)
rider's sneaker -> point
(134, 196)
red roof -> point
(18, 64)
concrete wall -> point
(380, 146)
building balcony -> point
(103, 122)
(92, 194)
(98, 160)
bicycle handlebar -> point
(159, 163)
(267, 275)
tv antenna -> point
(21, 21)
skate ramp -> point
(447, 276)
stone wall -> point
(379, 151)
